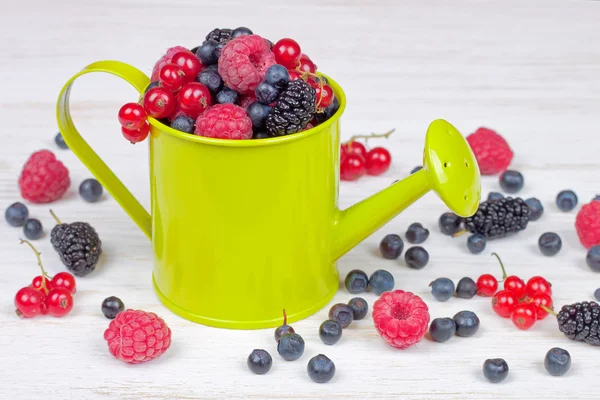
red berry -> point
(306, 65)
(541, 299)
(189, 64)
(44, 179)
(503, 303)
(287, 53)
(165, 59)
(64, 280)
(355, 147)
(487, 285)
(294, 74)
(159, 102)
(59, 302)
(171, 77)
(36, 283)
(136, 135)
(352, 168)
(524, 316)
(132, 116)
(224, 121)
(587, 224)
(243, 63)
(193, 99)
(378, 161)
(538, 285)
(491, 151)
(325, 96)
(515, 285)
(29, 302)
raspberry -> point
(491, 151)
(401, 318)
(244, 62)
(165, 60)
(44, 179)
(588, 224)
(136, 336)
(224, 121)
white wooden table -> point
(530, 70)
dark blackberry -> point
(497, 218)
(220, 35)
(580, 322)
(294, 109)
(78, 246)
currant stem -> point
(504, 276)
(284, 317)
(55, 217)
(548, 310)
(373, 135)
(39, 260)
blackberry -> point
(580, 322)
(498, 218)
(220, 35)
(78, 246)
(294, 109)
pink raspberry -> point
(401, 318)
(165, 60)
(244, 62)
(136, 336)
(491, 151)
(224, 121)
(44, 179)
(587, 224)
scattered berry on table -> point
(352, 167)
(579, 322)
(354, 147)
(258, 114)
(59, 302)
(165, 59)
(284, 329)
(593, 258)
(111, 306)
(416, 257)
(487, 285)
(401, 318)
(466, 288)
(224, 121)
(260, 361)
(536, 209)
(287, 53)
(183, 123)
(511, 181)
(504, 302)
(541, 299)
(194, 99)
(566, 200)
(549, 243)
(342, 313)
(359, 307)
(450, 223)
(32, 229)
(290, 346)
(307, 65)
(293, 111)
(29, 302)
(241, 31)
(330, 332)
(442, 329)
(476, 243)
(207, 52)
(265, 93)
(356, 281)
(211, 79)
(442, 289)
(378, 161)
(491, 151)
(524, 315)
(588, 224)
(496, 219)
(495, 370)
(189, 64)
(137, 336)
(43, 179)
(159, 102)
(16, 214)
(597, 294)
(538, 284)
(320, 369)
(416, 233)
(467, 323)
(132, 116)
(90, 190)
(557, 361)
(381, 281)
(415, 169)
(391, 246)
(277, 76)
(495, 196)
(60, 141)
(136, 135)
(244, 63)
(227, 95)
(64, 280)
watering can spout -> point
(449, 168)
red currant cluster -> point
(46, 295)
(356, 161)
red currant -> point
(29, 302)
(287, 53)
(132, 116)
(306, 65)
(503, 303)
(487, 285)
(36, 283)
(536, 285)
(294, 74)
(136, 135)
(355, 147)
(524, 316)
(159, 102)
(64, 280)
(515, 285)
(325, 96)
(193, 99)
(541, 299)
(378, 161)
(189, 64)
(171, 77)
(352, 168)
(59, 302)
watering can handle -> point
(88, 156)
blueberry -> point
(265, 93)
(495, 370)
(330, 332)
(219, 50)
(566, 200)
(290, 346)
(442, 329)
(467, 323)
(320, 369)
(90, 190)
(416, 257)
(597, 198)
(511, 181)
(356, 281)
(111, 306)
(331, 109)
(549, 243)
(415, 169)
(593, 258)
(206, 53)
(227, 95)
(536, 209)
(391, 246)
(32, 229)
(16, 214)
(466, 288)
(597, 294)
(450, 223)
(183, 123)
(258, 114)
(241, 31)
(213, 67)
(381, 281)
(151, 85)
(211, 79)
(416, 234)
(260, 135)
(476, 243)
(342, 313)
(359, 307)
(260, 361)
(277, 76)
(60, 141)
(557, 361)
(442, 289)
(495, 196)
